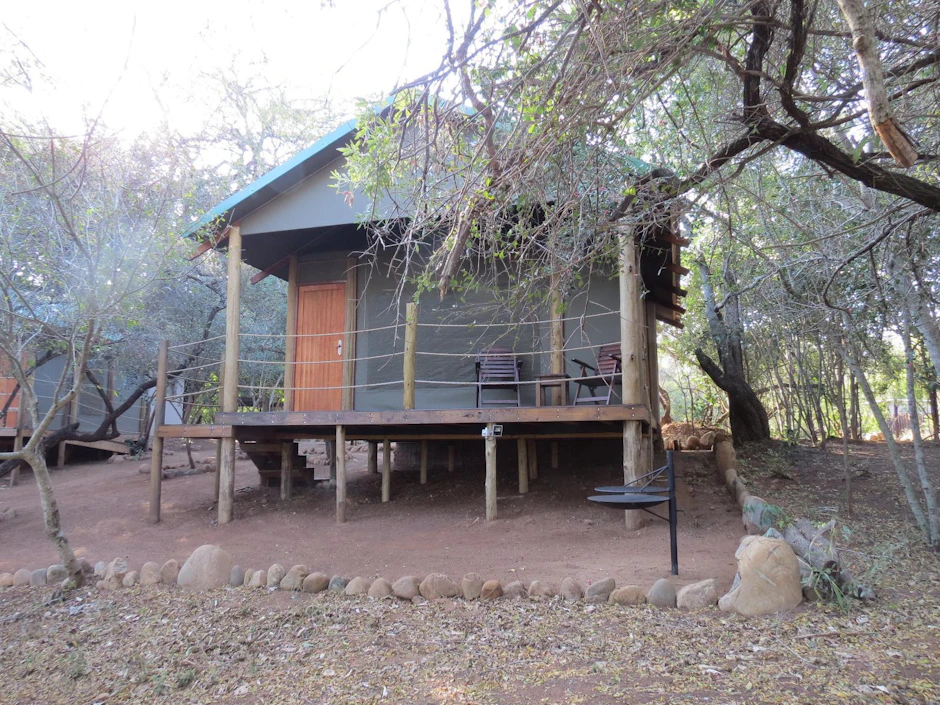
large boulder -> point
(316, 582)
(209, 567)
(698, 595)
(379, 589)
(770, 578)
(571, 590)
(276, 574)
(150, 574)
(406, 587)
(21, 578)
(662, 594)
(169, 572)
(600, 591)
(294, 580)
(628, 595)
(436, 586)
(472, 586)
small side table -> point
(545, 383)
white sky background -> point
(117, 57)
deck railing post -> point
(411, 336)
(159, 418)
(340, 474)
(230, 390)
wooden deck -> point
(420, 424)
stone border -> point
(211, 567)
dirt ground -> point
(235, 647)
(548, 534)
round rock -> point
(338, 583)
(150, 574)
(406, 587)
(21, 578)
(571, 590)
(316, 582)
(294, 580)
(437, 585)
(698, 595)
(472, 586)
(662, 594)
(492, 589)
(358, 586)
(237, 577)
(131, 579)
(209, 567)
(55, 574)
(169, 572)
(6, 580)
(276, 574)
(515, 591)
(259, 579)
(600, 591)
(248, 575)
(37, 578)
(627, 595)
(540, 590)
(380, 589)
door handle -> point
(339, 347)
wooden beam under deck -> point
(196, 431)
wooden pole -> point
(340, 474)
(349, 344)
(230, 390)
(533, 460)
(554, 451)
(424, 462)
(373, 458)
(287, 470)
(451, 457)
(159, 418)
(490, 485)
(557, 333)
(331, 454)
(386, 470)
(522, 448)
(631, 382)
(653, 359)
(18, 439)
(290, 341)
(218, 443)
(411, 336)
(71, 417)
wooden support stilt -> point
(522, 448)
(18, 440)
(340, 474)
(451, 457)
(287, 470)
(411, 336)
(331, 454)
(159, 418)
(631, 352)
(424, 462)
(373, 458)
(533, 460)
(490, 485)
(218, 464)
(554, 450)
(386, 470)
(230, 390)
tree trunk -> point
(749, 420)
(50, 514)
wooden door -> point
(321, 312)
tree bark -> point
(749, 420)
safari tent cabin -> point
(363, 362)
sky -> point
(117, 57)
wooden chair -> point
(606, 375)
(498, 368)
